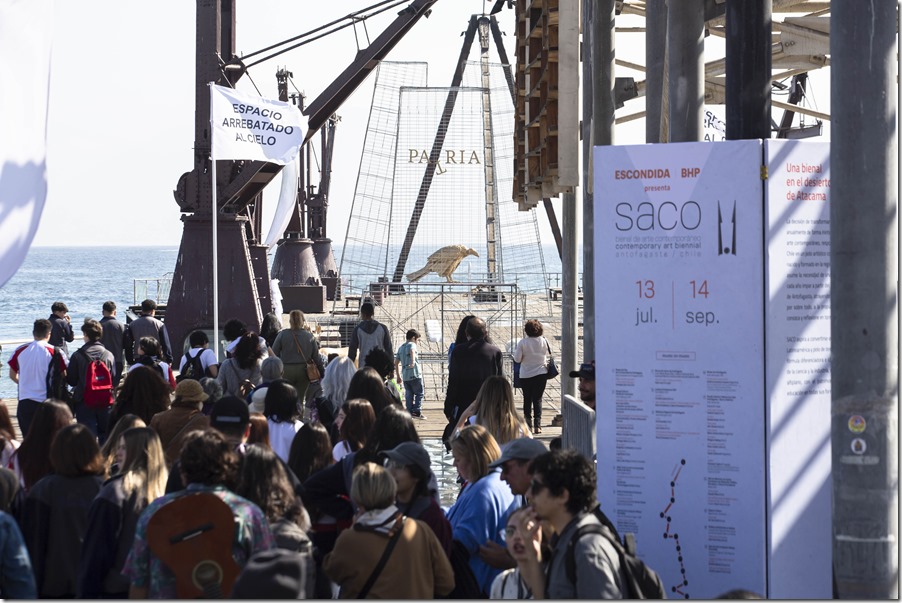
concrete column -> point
(686, 69)
(602, 134)
(864, 296)
(655, 46)
(569, 319)
(748, 24)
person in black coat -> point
(55, 514)
(61, 331)
(471, 364)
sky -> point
(121, 117)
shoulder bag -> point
(550, 366)
(397, 528)
(312, 370)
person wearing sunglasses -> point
(562, 495)
(509, 584)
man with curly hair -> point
(208, 463)
(562, 495)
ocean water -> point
(83, 278)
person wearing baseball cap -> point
(514, 462)
(586, 375)
(409, 465)
(231, 417)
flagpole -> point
(214, 217)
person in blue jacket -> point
(16, 577)
(476, 516)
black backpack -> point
(57, 388)
(465, 584)
(640, 581)
(194, 368)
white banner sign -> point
(253, 128)
(680, 359)
(26, 32)
(798, 371)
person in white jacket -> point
(532, 353)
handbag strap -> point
(399, 525)
(548, 347)
(298, 345)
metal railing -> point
(361, 284)
(156, 289)
(579, 427)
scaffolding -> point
(437, 171)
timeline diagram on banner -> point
(680, 587)
(680, 299)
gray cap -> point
(409, 453)
(523, 449)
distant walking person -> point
(29, 366)
(149, 354)
(369, 334)
(532, 354)
(295, 346)
(93, 414)
(199, 361)
(62, 328)
(407, 359)
(147, 326)
(113, 338)
(471, 364)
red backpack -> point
(98, 391)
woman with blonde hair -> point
(476, 516)
(495, 409)
(416, 567)
(115, 511)
(108, 450)
(295, 346)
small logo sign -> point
(859, 446)
(857, 424)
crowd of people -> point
(289, 486)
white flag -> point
(26, 28)
(253, 128)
